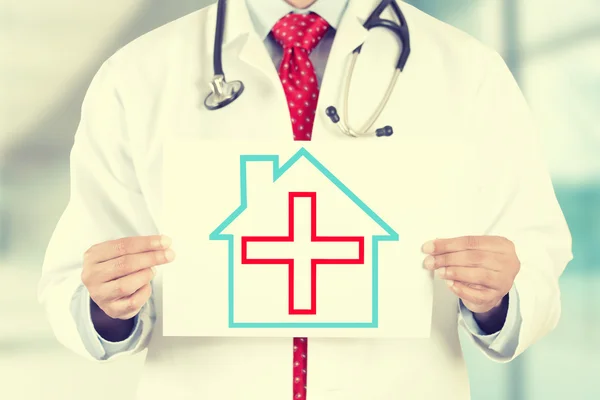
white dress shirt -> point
(264, 14)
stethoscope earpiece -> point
(385, 131)
(332, 114)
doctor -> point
(100, 286)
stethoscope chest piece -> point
(222, 93)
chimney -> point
(259, 180)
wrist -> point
(493, 320)
(110, 329)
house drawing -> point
(239, 254)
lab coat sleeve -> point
(105, 203)
(528, 213)
(503, 342)
(98, 347)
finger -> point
(475, 298)
(469, 258)
(129, 264)
(494, 244)
(131, 245)
(474, 277)
(129, 307)
(122, 287)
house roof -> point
(278, 172)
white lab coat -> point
(154, 88)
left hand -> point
(478, 269)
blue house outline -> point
(278, 171)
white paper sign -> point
(309, 239)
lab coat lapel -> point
(245, 58)
(350, 34)
(241, 41)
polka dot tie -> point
(299, 34)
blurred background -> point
(51, 50)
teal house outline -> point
(278, 171)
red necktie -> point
(299, 34)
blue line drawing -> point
(278, 171)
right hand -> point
(117, 273)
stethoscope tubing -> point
(366, 128)
(219, 33)
(224, 93)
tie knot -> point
(300, 30)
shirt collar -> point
(265, 13)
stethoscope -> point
(224, 93)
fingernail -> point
(165, 241)
(429, 262)
(441, 273)
(169, 255)
(153, 271)
(428, 247)
(450, 283)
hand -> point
(478, 269)
(117, 273)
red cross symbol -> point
(291, 238)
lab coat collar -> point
(240, 40)
(239, 22)
(240, 36)
(266, 13)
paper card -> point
(318, 239)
